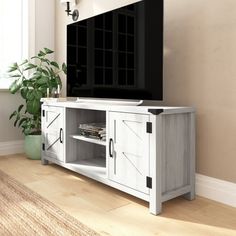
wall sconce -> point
(69, 3)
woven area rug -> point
(24, 212)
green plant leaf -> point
(25, 83)
(18, 116)
(36, 57)
(42, 80)
(58, 81)
(36, 75)
(15, 76)
(13, 67)
(33, 106)
(20, 107)
(22, 121)
(24, 92)
(53, 83)
(13, 114)
(49, 70)
(30, 95)
(41, 54)
(24, 62)
(45, 60)
(30, 66)
(27, 131)
(45, 72)
(15, 123)
(43, 87)
(25, 123)
(48, 51)
(55, 64)
(64, 68)
(38, 94)
(14, 87)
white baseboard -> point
(216, 189)
(12, 147)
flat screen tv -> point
(118, 54)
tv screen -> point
(118, 54)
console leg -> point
(191, 195)
(155, 208)
(44, 162)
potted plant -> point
(34, 79)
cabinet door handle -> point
(61, 135)
(110, 144)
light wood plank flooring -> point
(111, 212)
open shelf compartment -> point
(84, 154)
(90, 167)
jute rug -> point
(25, 213)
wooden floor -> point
(111, 212)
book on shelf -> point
(93, 130)
(93, 126)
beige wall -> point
(8, 104)
(44, 22)
(60, 38)
(199, 71)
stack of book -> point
(93, 130)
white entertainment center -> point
(149, 151)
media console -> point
(149, 151)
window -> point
(12, 36)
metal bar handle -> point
(110, 144)
(61, 135)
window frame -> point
(28, 36)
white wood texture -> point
(90, 140)
(178, 155)
(192, 158)
(108, 107)
(166, 155)
(176, 148)
(156, 152)
(129, 164)
(53, 132)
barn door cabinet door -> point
(53, 132)
(128, 153)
